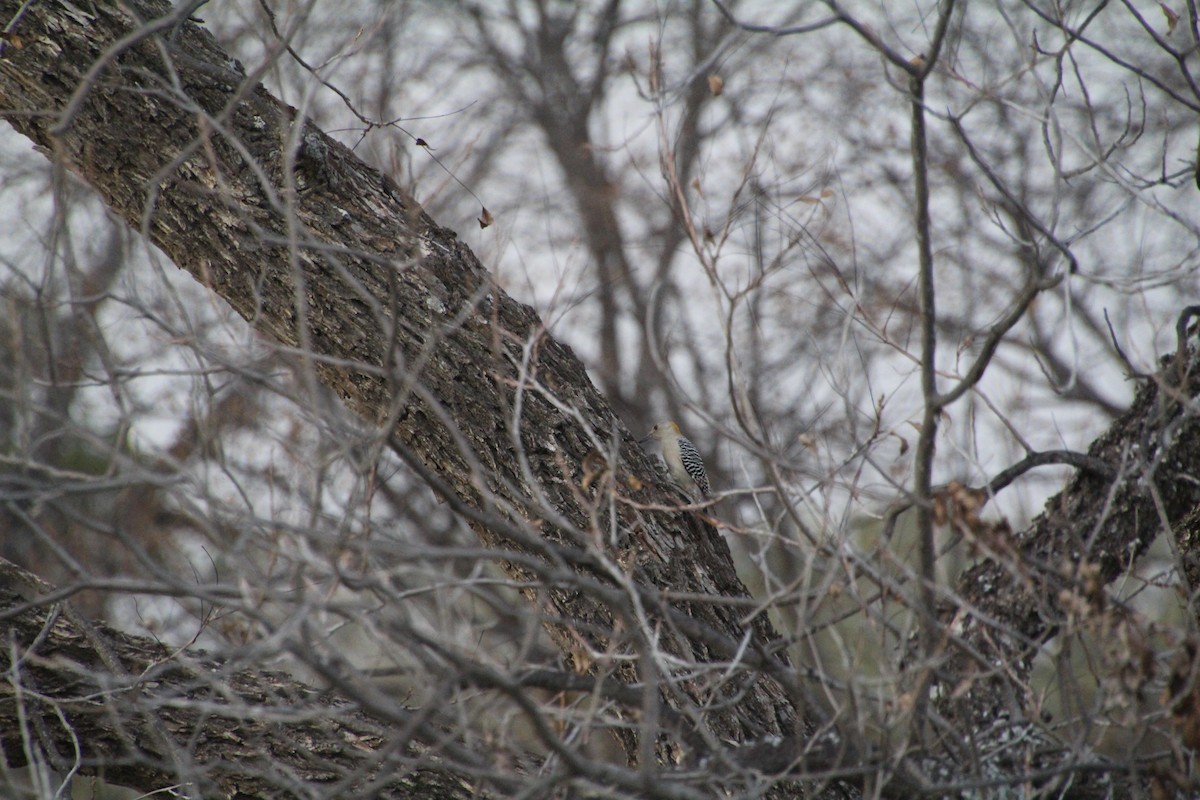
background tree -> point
(879, 262)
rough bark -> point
(324, 254)
(1051, 578)
(128, 709)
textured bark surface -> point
(324, 254)
(137, 714)
(1054, 574)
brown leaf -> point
(581, 659)
(1172, 18)
(716, 85)
(594, 466)
(940, 512)
(485, 219)
(1182, 695)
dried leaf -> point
(581, 660)
(594, 467)
(485, 219)
(940, 513)
(1182, 695)
(716, 85)
(1172, 18)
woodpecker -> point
(682, 457)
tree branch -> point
(90, 697)
(324, 254)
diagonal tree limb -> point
(324, 254)
(1138, 483)
(98, 700)
(328, 256)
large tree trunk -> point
(130, 710)
(396, 315)
(1051, 579)
(325, 254)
